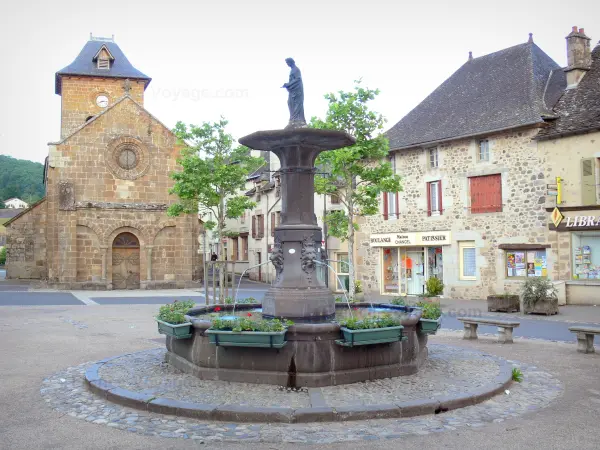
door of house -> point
(126, 262)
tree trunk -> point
(221, 229)
(352, 282)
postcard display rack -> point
(584, 269)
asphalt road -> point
(17, 295)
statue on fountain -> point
(296, 96)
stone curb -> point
(321, 412)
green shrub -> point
(538, 289)
(358, 287)
(247, 324)
(431, 311)
(241, 301)
(375, 321)
(400, 301)
(174, 313)
(517, 375)
(434, 287)
(2, 256)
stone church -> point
(103, 222)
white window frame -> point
(483, 152)
(434, 158)
(462, 246)
(340, 274)
(435, 206)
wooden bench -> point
(505, 328)
(585, 338)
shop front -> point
(408, 260)
(578, 233)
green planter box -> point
(430, 326)
(273, 339)
(370, 336)
(180, 331)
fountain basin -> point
(311, 357)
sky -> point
(227, 57)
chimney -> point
(579, 57)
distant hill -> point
(21, 179)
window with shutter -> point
(588, 182)
(273, 224)
(385, 206)
(335, 199)
(434, 198)
(486, 194)
(253, 227)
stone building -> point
(570, 146)
(254, 233)
(103, 222)
(472, 212)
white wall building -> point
(15, 203)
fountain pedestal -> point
(297, 293)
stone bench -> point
(505, 328)
(585, 338)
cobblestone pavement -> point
(66, 392)
(448, 370)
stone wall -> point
(79, 98)
(89, 255)
(94, 198)
(523, 219)
(26, 244)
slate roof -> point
(578, 108)
(85, 65)
(513, 87)
(9, 213)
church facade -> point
(103, 222)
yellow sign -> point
(556, 217)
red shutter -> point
(397, 206)
(262, 226)
(486, 194)
(385, 206)
(440, 197)
(272, 224)
(429, 199)
(254, 227)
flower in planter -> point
(372, 321)
(217, 309)
(249, 315)
(174, 313)
(243, 324)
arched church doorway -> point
(126, 262)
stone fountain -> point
(311, 356)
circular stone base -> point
(452, 378)
(67, 392)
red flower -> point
(249, 315)
(355, 308)
(218, 308)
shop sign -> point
(577, 223)
(426, 239)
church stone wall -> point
(79, 96)
(89, 255)
(26, 245)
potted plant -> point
(503, 302)
(434, 288)
(245, 332)
(539, 296)
(373, 329)
(171, 319)
(431, 317)
(359, 295)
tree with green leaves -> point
(213, 175)
(357, 175)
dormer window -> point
(103, 63)
(103, 58)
